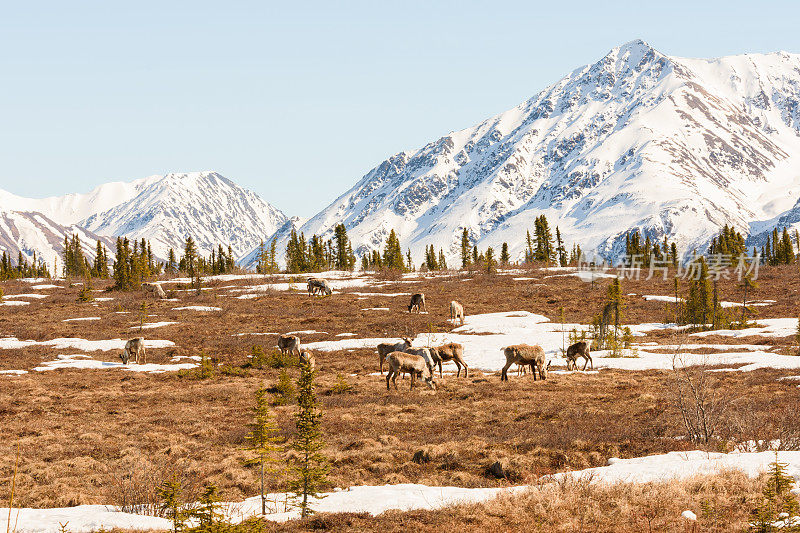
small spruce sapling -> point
(171, 506)
(308, 465)
(263, 438)
(285, 389)
(206, 367)
(207, 511)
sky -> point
(297, 100)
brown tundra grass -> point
(91, 436)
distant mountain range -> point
(163, 209)
(640, 140)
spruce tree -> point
(392, 254)
(464, 248)
(190, 256)
(171, 506)
(442, 262)
(309, 465)
(504, 257)
(490, 261)
(341, 261)
(122, 265)
(529, 249)
(561, 251)
(699, 302)
(273, 260)
(207, 511)
(263, 438)
(617, 302)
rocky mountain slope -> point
(163, 209)
(638, 140)
(29, 232)
(207, 206)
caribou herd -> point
(401, 357)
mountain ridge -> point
(637, 140)
(164, 209)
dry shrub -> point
(137, 477)
(389, 274)
(722, 502)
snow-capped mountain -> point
(162, 209)
(73, 208)
(204, 205)
(29, 232)
(638, 140)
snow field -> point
(378, 499)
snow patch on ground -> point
(83, 319)
(657, 298)
(308, 332)
(153, 325)
(25, 296)
(45, 286)
(197, 308)
(84, 362)
(772, 327)
(390, 294)
(14, 303)
(82, 519)
(12, 343)
(376, 309)
(378, 499)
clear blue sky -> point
(297, 100)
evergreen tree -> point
(273, 258)
(342, 260)
(442, 261)
(392, 254)
(617, 302)
(263, 438)
(85, 294)
(490, 261)
(561, 251)
(430, 258)
(207, 511)
(544, 241)
(190, 257)
(699, 303)
(309, 465)
(171, 506)
(100, 267)
(504, 257)
(777, 502)
(529, 249)
(261, 266)
(172, 263)
(464, 249)
(475, 258)
(123, 279)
